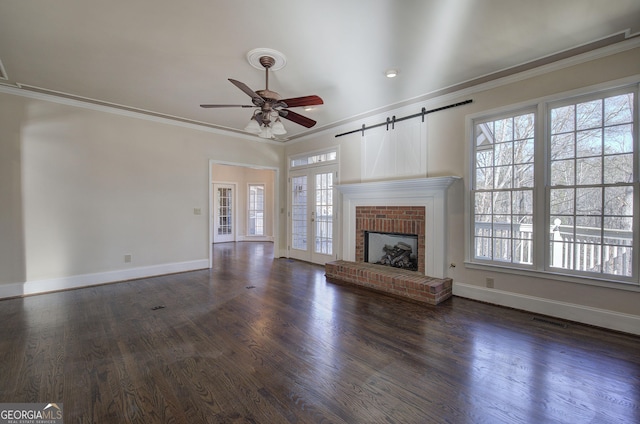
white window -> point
(591, 184)
(314, 158)
(503, 189)
(585, 154)
(256, 210)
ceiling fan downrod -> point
(267, 62)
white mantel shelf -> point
(428, 192)
(418, 187)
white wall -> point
(85, 187)
(12, 260)
(447, 152)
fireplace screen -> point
(391, 249)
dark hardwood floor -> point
(263, 340)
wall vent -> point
(551, 322)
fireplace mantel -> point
(428, 192)
(398, 188)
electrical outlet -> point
(128, 258)
(489, 283)
(197, 211)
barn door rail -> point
(392, 121)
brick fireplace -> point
(416, 206)
(390, 219)
(406, 207)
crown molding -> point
(606, 46)
(517, 73)
(37, 93)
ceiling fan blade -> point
(210, 106)
(257, 100)
(303, 101)
(297, 118)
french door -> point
(311, 214)
(224, 213)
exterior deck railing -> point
(607, 251)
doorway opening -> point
(232, 204)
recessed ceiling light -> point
(391, 73)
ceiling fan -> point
(270, 106)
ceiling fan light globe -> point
(253, 127)
(278, 128)
(266, 132)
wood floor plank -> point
(263, 340)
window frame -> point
(493, 118)
(314, 158)
(249, 209)
(540, 268)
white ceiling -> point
(168, 56)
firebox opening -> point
(391, 249)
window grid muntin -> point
(498, 228)
(588, 246)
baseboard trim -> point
(87, 280)
(255, 238)
(611, 320)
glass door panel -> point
(311, 216)
(299, 213)
(323, 215)
(224, 209)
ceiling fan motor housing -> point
(269, 95)
(267, 61)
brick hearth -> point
(412, 285)
(395, 281)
